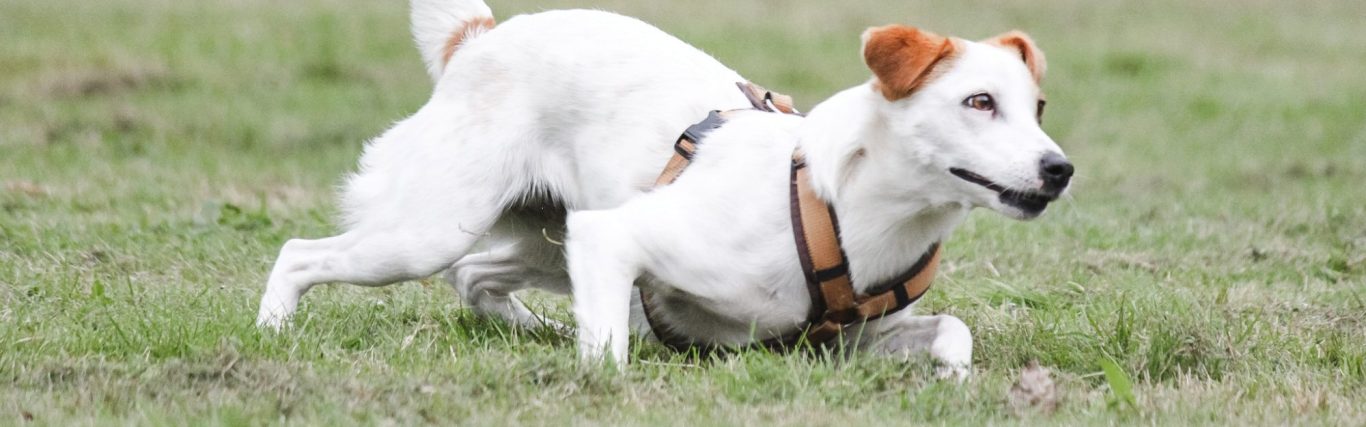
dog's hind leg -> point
(521, 255)
(486, 282)
(424, 196)
(366, 257)
(945, 338)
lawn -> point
(155, 154)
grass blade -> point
(1120, 384)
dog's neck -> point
(887, 220)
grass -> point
(155, 154)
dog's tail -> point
(441, 26)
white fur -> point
(581, 108)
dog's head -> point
(969, 113)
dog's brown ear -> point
(1019, 42)
(902, 57)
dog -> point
(554, 126)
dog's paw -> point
(952, 349)
(559, 327)
(270, 320)
(956, 373)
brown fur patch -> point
(1018, 41)
(474, 26)
(903, 58)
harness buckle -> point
(695, 132)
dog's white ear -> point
(902, 57)
(1019, 42)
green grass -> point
(155, 154)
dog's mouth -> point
(1030, 202)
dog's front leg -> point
(600, 253)
(946, 339)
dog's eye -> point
(981, 102)
(1039, 115)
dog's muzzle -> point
(1054, 170)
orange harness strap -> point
(834, 304)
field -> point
(155, 154)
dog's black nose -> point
(1055, 171)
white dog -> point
(558, 123)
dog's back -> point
(552, 102)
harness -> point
(834, 304)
